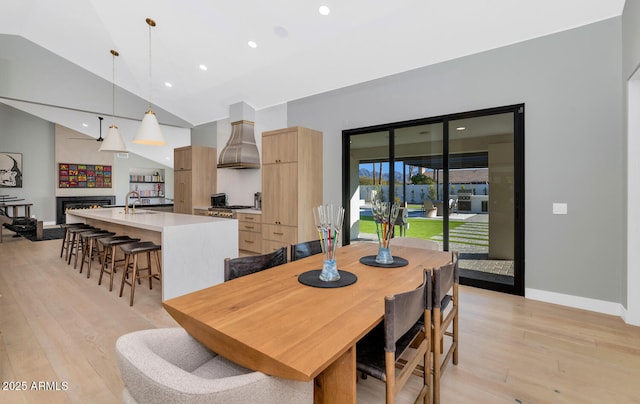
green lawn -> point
(418, 228)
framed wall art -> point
(10, 170)
(72, 175)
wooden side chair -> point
(241, 266)
(394, 349)
(445, 320)
(305, 249)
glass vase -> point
(328, 220)
(384, 215)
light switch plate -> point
(559, 208)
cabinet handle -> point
(249, 218)
(248, 227)
(248, 241)
(278, 234)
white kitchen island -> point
(193, 247)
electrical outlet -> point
(559, 208)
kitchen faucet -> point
(126, 202)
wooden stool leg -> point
(103, 265)
(70, 247)
(79, 245)
(157, 255)
(113, 267)
(64, 240)
(84, 253)
(124, 272)
(149, 266)
(135, 276)
(93, 243)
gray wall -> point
(630, 37)
(570, 83)
(34, 138)
(631, 80)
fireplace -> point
(80, 202)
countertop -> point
(144, 219)
(146, 205)
(250, 210)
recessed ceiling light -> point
(85, 125)
(461, 128)
(203, 67)
(252, 44)
(168, 84)
(324, 10)
(281, 31)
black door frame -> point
(519, 187)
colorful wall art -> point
(84, 176)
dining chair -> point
(415, 242)
(305, 249)
(395, 348)
(445, 320)
(167, 365)
(241, 266)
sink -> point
(144, 212)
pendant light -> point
(149, 131)
(113, 142)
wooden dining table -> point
(272, 323)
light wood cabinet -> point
(250, 232)
(195, 177)
(291, 186)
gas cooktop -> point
(231, 207)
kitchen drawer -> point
(249, 217)
(250, 226)
(283, 234)
(271, 245)
(250, 241)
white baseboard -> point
(584, 303)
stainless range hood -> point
(241, 150)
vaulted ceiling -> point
(55, 58)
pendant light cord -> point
(113, 87)
(151, 23)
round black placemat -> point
(371, 261)
(312, 278)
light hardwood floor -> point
(57, 326)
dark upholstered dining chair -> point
(241, 266)
(305, 249)
(383, 353)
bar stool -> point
(74, 243)
(133, 250)
(89, 246)
(66, 235)
(109, 245)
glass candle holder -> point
(384, 214)
(328, 220)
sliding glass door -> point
(460, 178)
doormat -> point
(47, 234)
